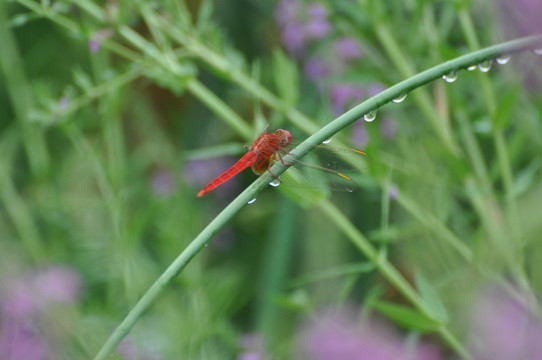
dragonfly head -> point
(285, 136)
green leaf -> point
(82, 79)
(431, 297)
(205, 14)
(506, 107)
(348, 269)
(176, 83)
(297, 300)
(286, 77)
(406, 317)
(525, 178)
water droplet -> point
(327, 141)
(349, 190)
(251, 201)
(450, 77)
(472, 67)
(485, 66)
(274, 183)
(399, 98)
(538, 51)
(503, 59)
(370, 116)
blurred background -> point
(114, 114)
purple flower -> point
(317, 10)
(317, 26)
(293, 37)
(138, 350)
(347, 48)
(299, 28)
(27, 295)
(360, 136)
(95, 42)
(287, 11)
(58, 284)
(393, 192)
(338, 335)
(521, 17)
(162, 182)
(375, 88)
(342, 94)
(502, 327)
(23, 300)
(252, 347)
(63, 103)
(17, 341)
(19, 300)
(316, 69)
(388, 127)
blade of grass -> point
(21, 96)
(502, 157)
(389, 272)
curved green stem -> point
(324, 133)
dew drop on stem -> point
(327, 141)
(370, 116)
(472, 67)
(503, 59)
(252, 201)
(485, 66)
(274, 183)
(450, 77)
(399, 98)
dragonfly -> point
(262, 153)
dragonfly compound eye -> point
(285, 135)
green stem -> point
(238, 76)
(432, 222)
(21, 95)
(225, 112)
(90, 95)
(15, 206)
(440, 125)
(388, 271)
(503, 158)
(275, 267)
(180, 263)
(193, 85)
(324, 133)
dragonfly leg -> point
(275, 176)
(282, 160)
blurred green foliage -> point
(113, 116)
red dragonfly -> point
(260, 157)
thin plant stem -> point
(388, 271)
(20, 92)
(502, 157)
(440, 125)
(277, 169)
